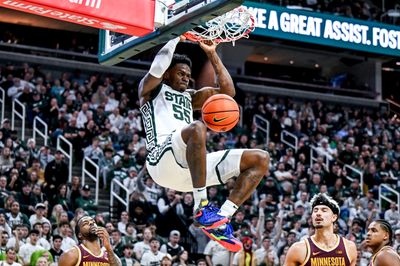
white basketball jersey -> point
(168, 110)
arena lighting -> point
(394, 13)
(397, 63)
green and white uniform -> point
(164, 116)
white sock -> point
(199, 194)
(228, 209)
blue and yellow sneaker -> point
(224, 236)
(206, 216)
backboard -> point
(181, 17)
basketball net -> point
(230, 27)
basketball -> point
(220, 113)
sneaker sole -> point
(212, 226)
(236, 247)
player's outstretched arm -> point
(352, 252)
(157, 69)
(224, 79)
(69, 258)
(296, 255)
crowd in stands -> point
(100, 117)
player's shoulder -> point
(300, 244)
(297, 253)
(387, 257)
(351, 246)
(69, 257)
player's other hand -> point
(208, 46)
(182, 38)
(104, 237)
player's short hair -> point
(385, 225)
(77, 226)
(324, 199)
(180, 59)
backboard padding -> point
(135, 45)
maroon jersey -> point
(86, 258)
(317, 256)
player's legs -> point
(170, 165)
(248, 165)
(195, 136)
(253, 166)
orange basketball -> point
(220, 113)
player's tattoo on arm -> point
(114, 261)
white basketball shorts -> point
(168, 167)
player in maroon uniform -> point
(90, 252)
(379, 239)
(324, 248)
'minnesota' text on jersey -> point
(86, 258)
(168, 110)
(316, 256)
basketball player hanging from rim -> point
(324, 248)
(379, 239)
(177, 157)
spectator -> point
(11, 258)
(38, 169)
(56, 173)
(62, 199)
(42, 241)
(38, 217)
(240, 257)
(130, 182)
(86, 202)
(148, 188)
(3, 243)
(152, 256)
(28, 249)
(128, 258)
(26, 199)
(131, 234)
(172, 247)
(45, 157)
(106, 165)
(116, 120)
(15, 216)
(216, 254)
(67, 242)
(123, 222)
(134, 120)
(117, 244)
(265, 250)
(143, 246)
(392, 215)
(94, 151)
(74, 190)
(125, 135)
(170, 209)
(6, 161)
(182, 259)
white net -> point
(229, 27)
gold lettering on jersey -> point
(328, 261)
(95, 263)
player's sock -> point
(199, 195)
(228, 209)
